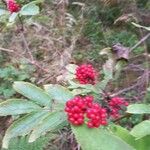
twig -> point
(7, 50)
(33, 62)
(122, 117)
(21, 23)
(140, 42)
(124, 90)
(26, 46)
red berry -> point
(97, 124)
(12, 6)
(96, 115)
(90, 125)
(78, 107)
(104, 122)
(86, 74)
(115, 106)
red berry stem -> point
(127, 115)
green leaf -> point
(141, 144)
(21, 143)
(80, 91)
(86, 88)
(51, 122)
(23, 126)
(141, 130)
(71, 68)
(58, 92)
(102, 85)
(123, 134)
(29, 9)
(98, 139)
(33, 92)
(138, 109)
(13, 17)
(17, 106)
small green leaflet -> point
(17, 106)
(58, 92)
(23, 126)
(51, 122)
(29, 9)
(33, 92)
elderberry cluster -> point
(115, 105)
(12, 6)
(86, 74)
(82, 110)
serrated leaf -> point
(138, 109)
(17, 106)
(58, 92)
(21, 143)
(98, 139)
(29, 9)
(33, 92)
(71, 68)
(23, 126)
(142, 129)
(51, 122)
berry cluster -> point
(86, 74)
(115, 105)
(80, 107)
(97, 116)
(12, 6)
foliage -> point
(43, 111)
(44, 118)
(9, 74)
(21, 143)
(88, 27)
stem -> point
(21, 23)
(127, 115)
